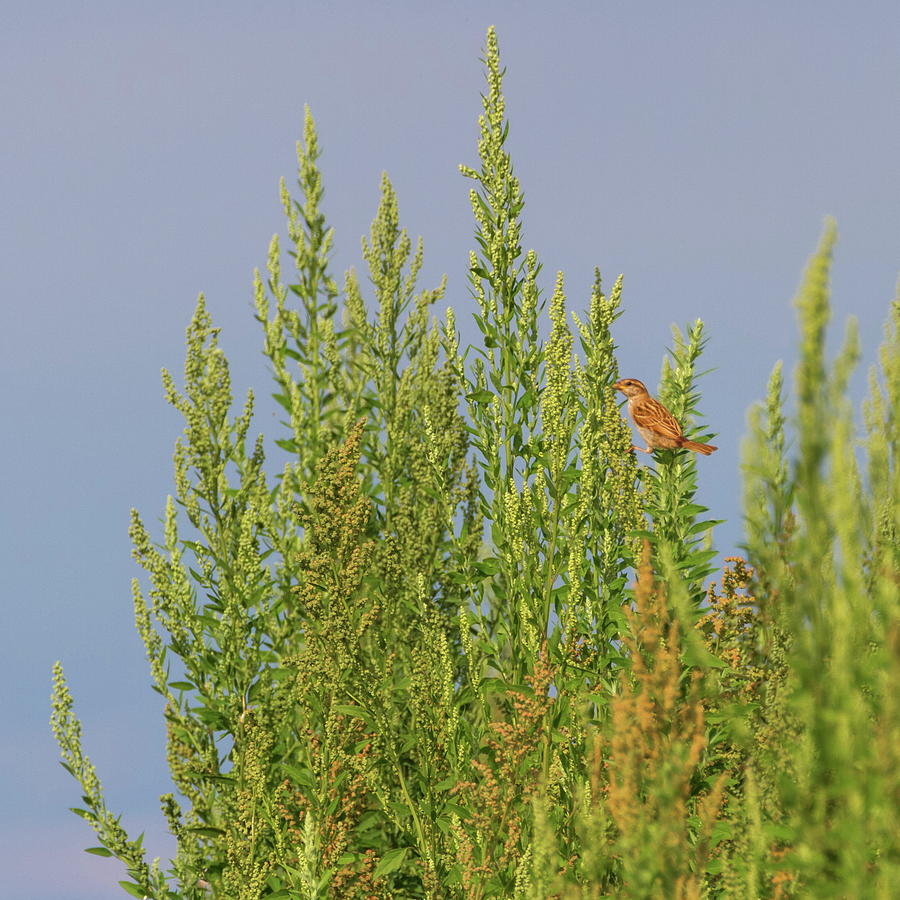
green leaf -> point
(283, 400)
(390, 862)
(300, 775)
(201, 776)
(210, 717)
(98, 851)
(349, 709)
(134, 889)
(457, 810)
(722, 831)
(205, 831)
(695, 654)
(84, 813)
(488, 566)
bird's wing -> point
(650, 413)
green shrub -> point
(413, 664)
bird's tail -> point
(705, 449)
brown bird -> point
(655, 424)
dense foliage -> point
(464, 646)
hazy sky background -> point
(694, 147)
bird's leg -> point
(642, 449)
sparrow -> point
(655, 424)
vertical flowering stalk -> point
(302, 343)
(671, 488)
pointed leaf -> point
(390, 862)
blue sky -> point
(694, 147)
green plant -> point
(413, 664)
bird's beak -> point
(617, 386)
